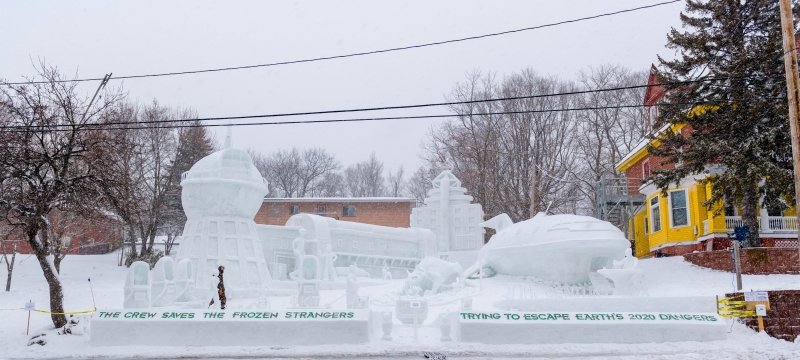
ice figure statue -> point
(221, 195)
(432, 274)
(624, 275)
(560, 248)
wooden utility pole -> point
(792, 82)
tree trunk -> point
(50, 274)
(143, 249)
(10, 268)
(171, 237)
(132, 238)
(750, 208)
(56, 292)
(57, 262)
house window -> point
(679, 208)
(349, 210)
(294, 209)
(320, 209)
(645, 169)
(655, 214)
(653, 114)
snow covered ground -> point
(665, 277)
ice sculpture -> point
(163, 282)
(561, 248)
(308, 282)
(339, 244)
(137, 286)
(449, 213)
(498, 223)
(432, 275)
(221, 195)
(184, 280)
(624, 275)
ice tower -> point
(449, 213)
(221, 195)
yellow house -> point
(676, 221)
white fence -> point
(773, 224)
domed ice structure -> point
(221, 195)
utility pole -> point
(792, 82)
(100, 87)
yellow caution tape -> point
(66, 313)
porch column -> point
(764, 218)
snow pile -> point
(671, 279)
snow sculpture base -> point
(179, 327)
(557, 327)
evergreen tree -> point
(737, 128)
(194, 143)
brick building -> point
(80, 235)
(385, 211)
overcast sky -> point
(135, 37)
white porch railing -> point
(732, 222)
(782, 223)
(773, 224)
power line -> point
(399, 107)
(363, 53)
(101, 126)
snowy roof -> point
(641, 145)
(342, 199)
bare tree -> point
(120, 164)
(296, 173)
(194, 143)
(419, 183)
(605, 134)
(331, 185)
(7, 245)
(395, 184)
(517, 162)
(143, 175)
(61, 233)
(365, 178)
(43, 162)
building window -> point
(349, 210)
(294, 209)
(679, 208)
(320, 209)
(655, 214)
(652, 114)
